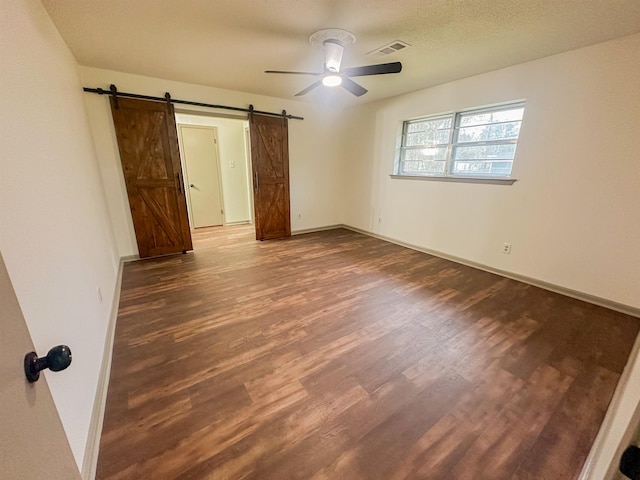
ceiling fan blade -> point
(381, 69)
(353, 87)
(293, 73)
(309, 88)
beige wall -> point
(314, 148)
(55, 233)
(235, 189)
(572, 216)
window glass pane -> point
(470, 119)
(433, 137)
(487, 168)
(436, 123)
(426, 154)
(484, 133)
(428, 132)
(423, 167)
(489, 152)
(414, 127)
(424, 161)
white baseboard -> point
(316, 229)
(239, 222)
(622, 419)
(585, 297)
(90, 460)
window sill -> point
(461, 179)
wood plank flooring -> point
(334, 355)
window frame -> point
(453, 143)
(405, 133)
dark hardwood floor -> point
(334, 355)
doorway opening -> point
(216, 163)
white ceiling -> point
(229, 43)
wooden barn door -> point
(270, 163)
(148, 144)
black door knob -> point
(630, 462)
(57, 359)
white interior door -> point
(200, 155)
(33, 444)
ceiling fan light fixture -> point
(331, 80)
(333, 41)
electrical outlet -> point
(506, 248)
(379, 219)
(299, 216)
(99, 295)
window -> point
(476, 143)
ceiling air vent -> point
(392, 47)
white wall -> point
(572, 221)
(55, 233)
(572, 216)
(315, 161)
(235, 186)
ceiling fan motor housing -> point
(333, 55)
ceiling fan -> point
(334, 40)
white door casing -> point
(247, 154)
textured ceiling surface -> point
(229, 43)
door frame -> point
(185, 173)
(249, 160)
(247, 153)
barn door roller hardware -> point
(113, 91)
(114, 94)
